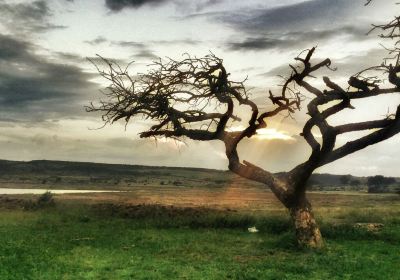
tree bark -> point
(307, 230)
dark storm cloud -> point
(134, 44)
(117, 5)
(26, 17)
(202, 5)
(69, 57)
(126, 44)
(31, 87)
(294, 25)
(12, 49)
(176, 42)
(186, 6)
(305, 15)
(298, 39)
(182, 5)
(129, 44)
(145, 54)
(255, 44)
(97, 41)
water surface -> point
(40, 191)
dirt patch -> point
(371, 227)
(153, 210)
(232, 197)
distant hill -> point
(51, 167)
(87, 175)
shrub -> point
(45, 200)
(177, 183)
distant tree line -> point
(380, 184)
(349, 180)
(373, 184)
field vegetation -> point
(187, 223)
(105, 237)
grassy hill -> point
(86, 175)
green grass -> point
(72, 241)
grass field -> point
(114, 239)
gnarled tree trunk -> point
(289, 189)
(307, 230)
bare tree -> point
(195, 98)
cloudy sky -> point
(46, 80)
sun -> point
(267, 133)
(271, 134)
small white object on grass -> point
(252, 229)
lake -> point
(40, 191)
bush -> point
(45, 200)
(177, 183)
